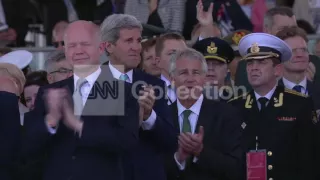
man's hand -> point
(182, 155)
(70, 120)
(204, 18)
(153, 5)
(8, 85)
(192, 143)
(54, 99)
(146, 101)
(199, 139)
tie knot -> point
(124, 77)
(80, 83)
(186, 113)
(298, 88)
(263, 101)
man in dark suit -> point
(294, 74)
(279, 124)
(209, 142)
(121, 36)
(218, 54)
(9, 127)
(89, 142)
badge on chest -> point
(256, 165)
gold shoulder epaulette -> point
(290, 91)
(237, 97)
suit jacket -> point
(145, 161)
(285, 129)
(9, 133)
(313, 91)
(221, 156)
(28, 166)
(98, 152)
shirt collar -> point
(163, 78)
(195, 108)
(116, 73)
(91, 78)
(268, 95)
(288, 84)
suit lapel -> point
(309, 88)
(276, 100)
(175, 116)
(280, 82)
(205, 114)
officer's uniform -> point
(285, 128)
(218, 50)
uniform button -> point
(270, 178)
(269, 153)
(73, 157)
(270, 167)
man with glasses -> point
(294, 70)
(57, 67)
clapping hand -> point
(146, 101)
(54, 99)
(192, 143)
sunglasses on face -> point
(56, 44)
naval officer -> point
(279, 126)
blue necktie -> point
(298, 88)
(124, 77)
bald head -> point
(81, 26)
(82, 41)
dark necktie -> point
(263, 102)
(297, 88)
(186, 125)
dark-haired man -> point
(279, 126)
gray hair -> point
(190, 54)
(111, 26)
(54, 57)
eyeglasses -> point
(56, 44)
(62, 71)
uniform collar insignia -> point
(278, 102)
(249, 101)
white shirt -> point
(171, 95)
(85, 89)
(193, 118)
(288, 84)
(150, 121)
(268, 96)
